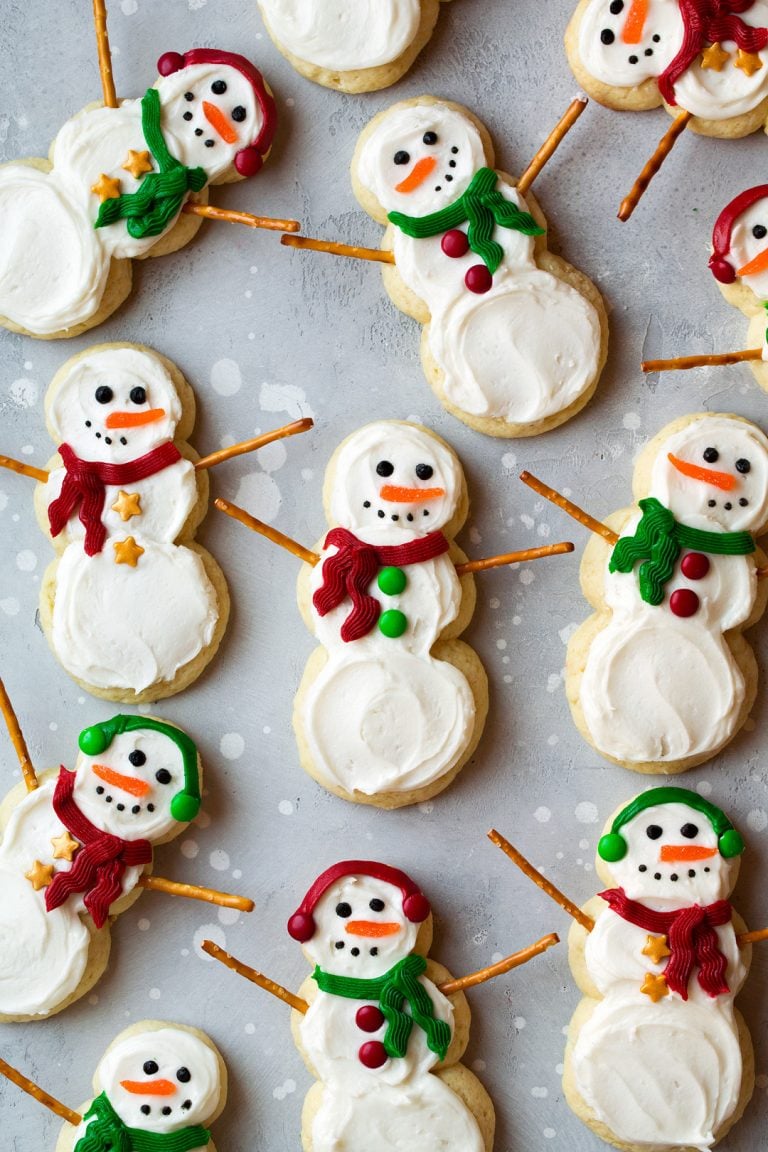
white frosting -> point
(383, 715)
(662, 687)
(399, 1105)
(666, 1074)
(706, 92)
(344, 34)
(745, 246)
(527, 348)
(54, 263)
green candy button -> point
(392, 623)
(392, 581)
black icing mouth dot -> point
(166, 1111)
(366, 503)
(674, 876)
(425, 512)
(186, 1105)
(381, 514)
(198, 131)
(374, 951)
(711, 503)
(98, 435)
(210, 143)
(454, 150)
(409, 516)
(120, 807)
(107, 439)
(395, 516)
(123, 441)
(99, 791)
(339, 945)
(355, 951)
(136, 809)
(728, 506)
(691, 873)
(657, 875)
(88, 423)
(145, 1109)
(643, 868)
(634, 59)
(108, 799)
(743, 502)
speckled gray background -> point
(264, 336)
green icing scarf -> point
(108, 1132)
(484, 207)
(397, 986)
(149, 210)
(658, 541)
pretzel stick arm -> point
(195, 892)
(552, 143)
(39, 1094)
(498, 969)
(255, 977)
(541, 881)
(376, 255)
(17, 740)
(257, 442)
(663, 149)
(715, 360)
(568, 506)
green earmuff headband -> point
(185, 805)
(613, 847)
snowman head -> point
(626, 42)
(740, 242)
(394, 475)
(137, 777)
(161, 1080)
(419, 156)
(716, 466)
(113, 405)
(359, 918)
(672, 846)
(217, 112)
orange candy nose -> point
(757, 264)
(417, 175)
(397, 495)
(722, 480)
(218, 120)
(134, 419)
(149, 1087)
(674, 853)
(634, 25)
(372, 928)
(130, 784)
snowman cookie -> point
(381, 1027)
(77, 849)
(392, 703)
(351, 45)
(115, 184)
(707, 59)
(132, 607)
(661, 678)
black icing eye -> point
(759, 231)
(184, 1075)
(103, 394)
(384, 468)
(711, 455)
(607, 36)
(616, 7)
(189, 95)
(402, 157)
(137, 758)
(239, 114)
(163, 776)
(376, 905)
(139, 395)
(151, 1068)
(743, 466)
(690, 831)
(344, 910)
(653, 831)
(424, 471)
(430, 137)
(218, 87)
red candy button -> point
(684, 602)
(369, 1018)
(455, 243)
(373, 1054)
(478, 279)
(695, 565)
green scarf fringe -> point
(397, 986)
(159, 198)
(108, 1132)
(658, 541)
(484, 207)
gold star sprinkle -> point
(127, 551)
(137, 163)
(656, 949)
(748, 62)
(715, 58)
(655, 986)
(64, 846)
(106, 187)
(40, 875)
(128, 504)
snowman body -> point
(622, 48)
(133, 612)
(347, 35)
(660, 683)
(516, 344)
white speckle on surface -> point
(527, 520)
(559, 1069)
(509, 461)
(539, 1092)
(10, 606)
(143, 924)
(501, 645)
(24, 392)
(208, 932)
(237, 874)
(219, 859)
(542, 814)
(129, 7)
(250, 1029)
(583, 844)
(631, 421)
(202, 820)
(3, 501)
(566, 633)
(228, 916)
(426, 808)
(284, 398)
(757, 820)
(586, 812)
(26, 561)
(232, 746)
(285, 808)
(553, 739)
(258, 493)
(549, 1133)
(285, 1089)
(519, 1023)
(154, 993)
(704, 788)
(273, 456)
(307, 474)
(478, 1065)
(226, 378)
(517, 619)
(189, 848)
(527, 576)
(27, 449)
(543, 530)
(494, 602)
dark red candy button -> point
(369, 1018)
(478, 279)
(373, 1054)
(455, 243)
(684, 602)
(695, 565)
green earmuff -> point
(185, 805)
(613, 847)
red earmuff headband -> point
(722, 269)
(416, 908)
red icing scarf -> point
(85, 482)
(350, 570)
(691, 938)
(709, 22)
(98, 865)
